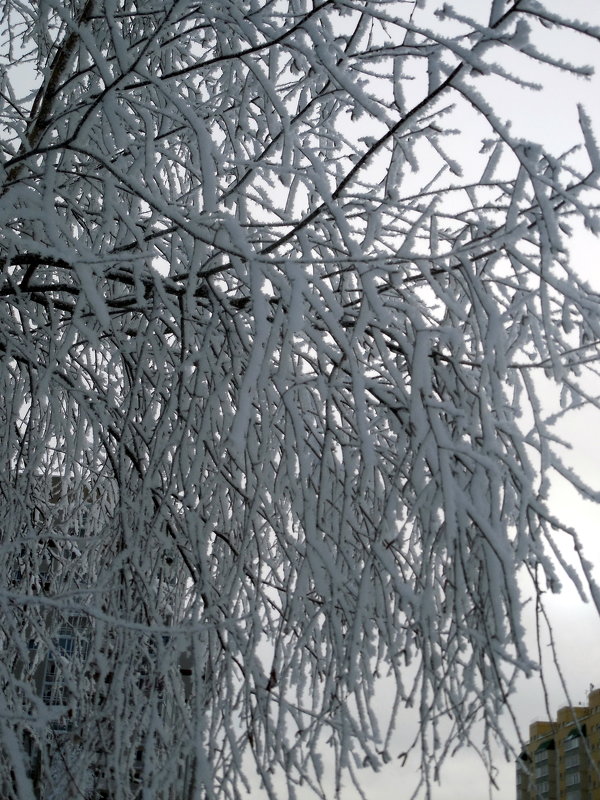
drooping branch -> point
(276, 282)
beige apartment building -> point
(561, 760)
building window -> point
(572, 743)
(573, 779)
(70, 643)
(572, 760)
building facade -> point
(98, 696)
(561, 760)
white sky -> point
(549, 116)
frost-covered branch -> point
(278, 287)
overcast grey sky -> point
(550, 117)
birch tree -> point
(281, 291)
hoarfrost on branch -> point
(279, 292)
